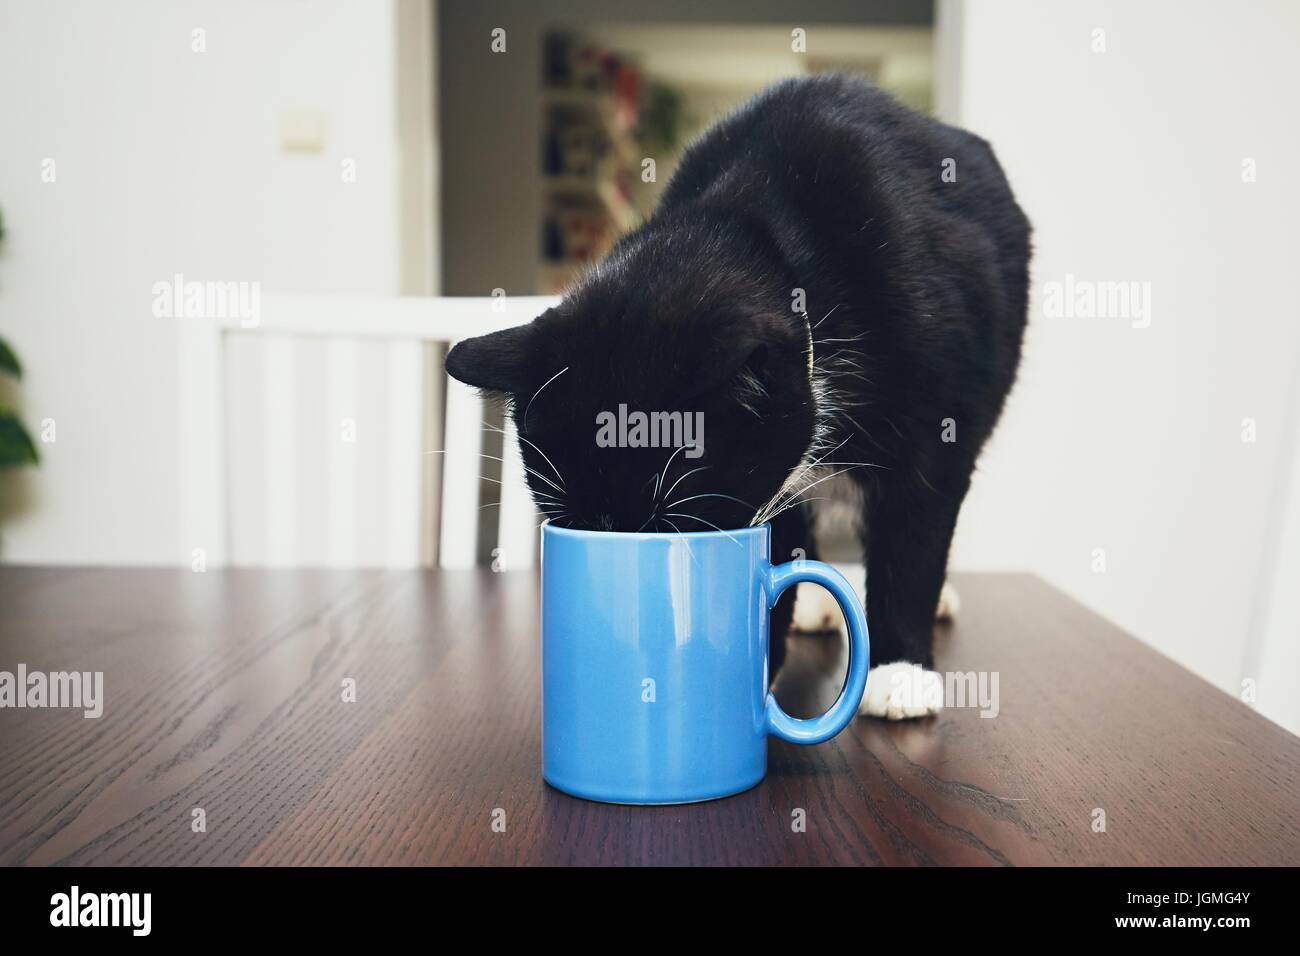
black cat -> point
(838, 284)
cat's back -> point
(840, 170)
(821, 139)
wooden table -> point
(224, 692)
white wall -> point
(1129, 164)
(169, 161)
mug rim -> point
(548, 528)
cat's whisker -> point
(684, 477)
(542, 507)
(674, 514)
(786, 507)
(826, 316)
(681, 501)
(687, 542)
(529, 407)
(540, 477)
(858, 375)
(663, 471)
(443, 451)
(501, 431)
(553, 516)
(548, 460)
(835, 357)
(795, 498)
(789, 492)
(775, 500)
(853, 339)
(539, 499)
(536, 474)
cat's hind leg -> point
(817, 612)
(949, 603)
(792, 538)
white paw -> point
(901, 691)
(949, 603)
(815, 610)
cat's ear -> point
(742, 360)
(750, 385)
(757, 353)
(500, 361)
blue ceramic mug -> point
(654, 662)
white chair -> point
(320, 436)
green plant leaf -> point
(9, 361)
(16, 446)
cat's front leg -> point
(902, 691)
(894, 691)
(909, 533)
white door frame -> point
(1272, 657)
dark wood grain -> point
(223, 691)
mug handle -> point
(816, 729)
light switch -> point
(302, 130)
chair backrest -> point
(323, 436)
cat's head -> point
(670, 390)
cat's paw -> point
(902, 691)
(949, 603)
(815, 610)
